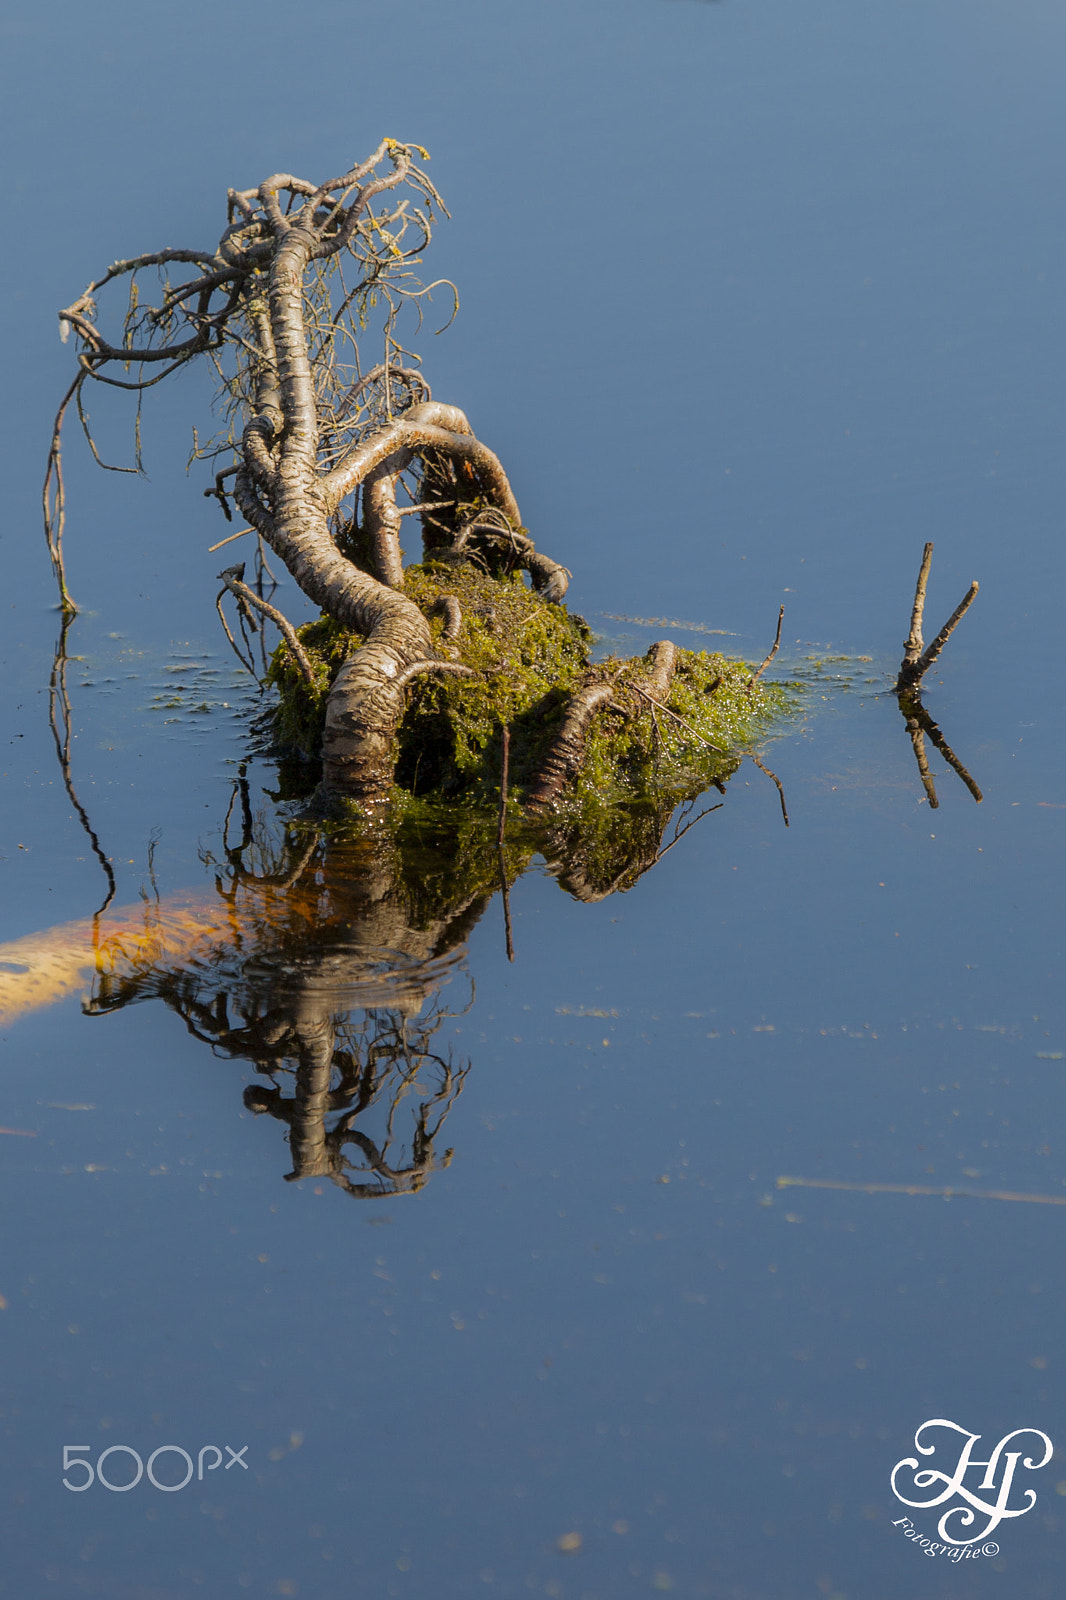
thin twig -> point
(670, 713)
(777, 642)
(55, 508)
(233, 580)
(915, 643)
(229, 539)
(248, 666)
(777, 780)
(426, 505)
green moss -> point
(298, 718)
(529, 657)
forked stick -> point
(917, 660)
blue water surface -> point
(757, 298)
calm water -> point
(757, 297)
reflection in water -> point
(61, 718)
(376, 1063)
(919, 724)
(323, 956)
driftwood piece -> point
(917, 660)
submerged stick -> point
(61, 721)
(681, 832)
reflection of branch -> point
(914, 728)
(679, 832)
(54, 499)
(60, 718)
(777, 780)
(919, 722)
(501, 825)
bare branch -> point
(915, 643)
(233, 578)
(777, 643)
(916, 661)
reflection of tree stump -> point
(322, 959)
(326, 461)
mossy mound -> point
(530, 656)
